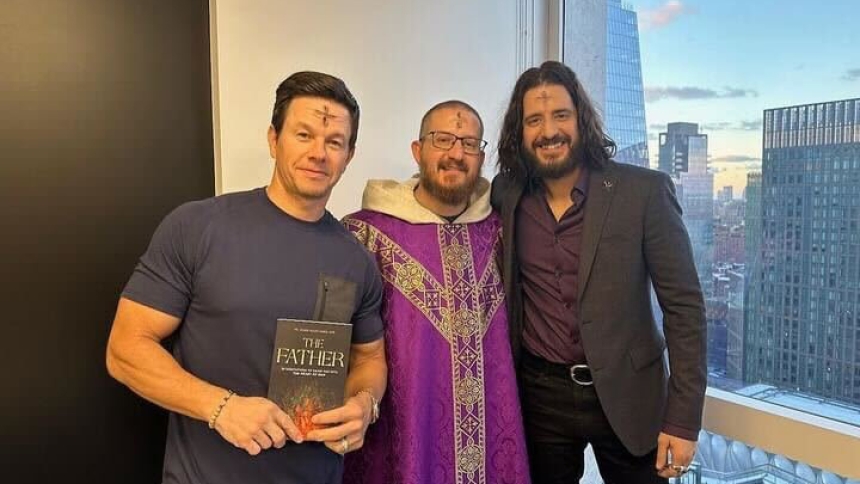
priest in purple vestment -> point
(451, 414)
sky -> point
(721, 63)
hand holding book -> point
(255, 424)
(342, 429)
(310, 361)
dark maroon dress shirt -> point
(548, 253)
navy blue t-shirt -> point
(229, 267)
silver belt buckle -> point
(580, 382)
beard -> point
(448, 194)
(556, 168)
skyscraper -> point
(803, 316)
(601, 44)
(684, 156)
(625, 98)
(725, 195)
(674, 148)
(743, 339)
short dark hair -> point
(315, 84)
(451, 103)
(598, 148)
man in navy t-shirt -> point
(220, 272)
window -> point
(720, 108)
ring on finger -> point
(344, 445)
(681, 470)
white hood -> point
(397, 199)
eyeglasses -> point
(445, 141)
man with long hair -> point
(584, 239)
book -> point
(310, 361)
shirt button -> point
(568, 305)
(555, 239)
(558, 273)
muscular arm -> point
(368, 370)
(136, 358)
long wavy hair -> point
(597, 147)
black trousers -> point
(561, 418)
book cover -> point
(310, 361)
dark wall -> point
(105, 125)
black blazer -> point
(633, 234)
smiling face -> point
(449, 175)
(312, 150)
(551, 142)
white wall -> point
(397, 57)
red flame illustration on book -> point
(302, 404)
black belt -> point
(579, 373)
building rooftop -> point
(823, 407)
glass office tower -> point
(601, 44)
(803, 311)
(625, 99)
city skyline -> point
(722, 64)
(766, 94)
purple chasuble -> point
(451, 414)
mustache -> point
(559, 138)
(455, 165)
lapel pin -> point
(607, 185)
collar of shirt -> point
(577, 194)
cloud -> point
(716, 126)
(736, 126)
(663, 15)
(685, 93)
(751, 125)
(736, 159)
(851, 75)
(735, 92)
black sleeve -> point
(496, 192)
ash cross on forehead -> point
(544, 96)
(324, 114)
(459, 120)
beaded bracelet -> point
(220, 407)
